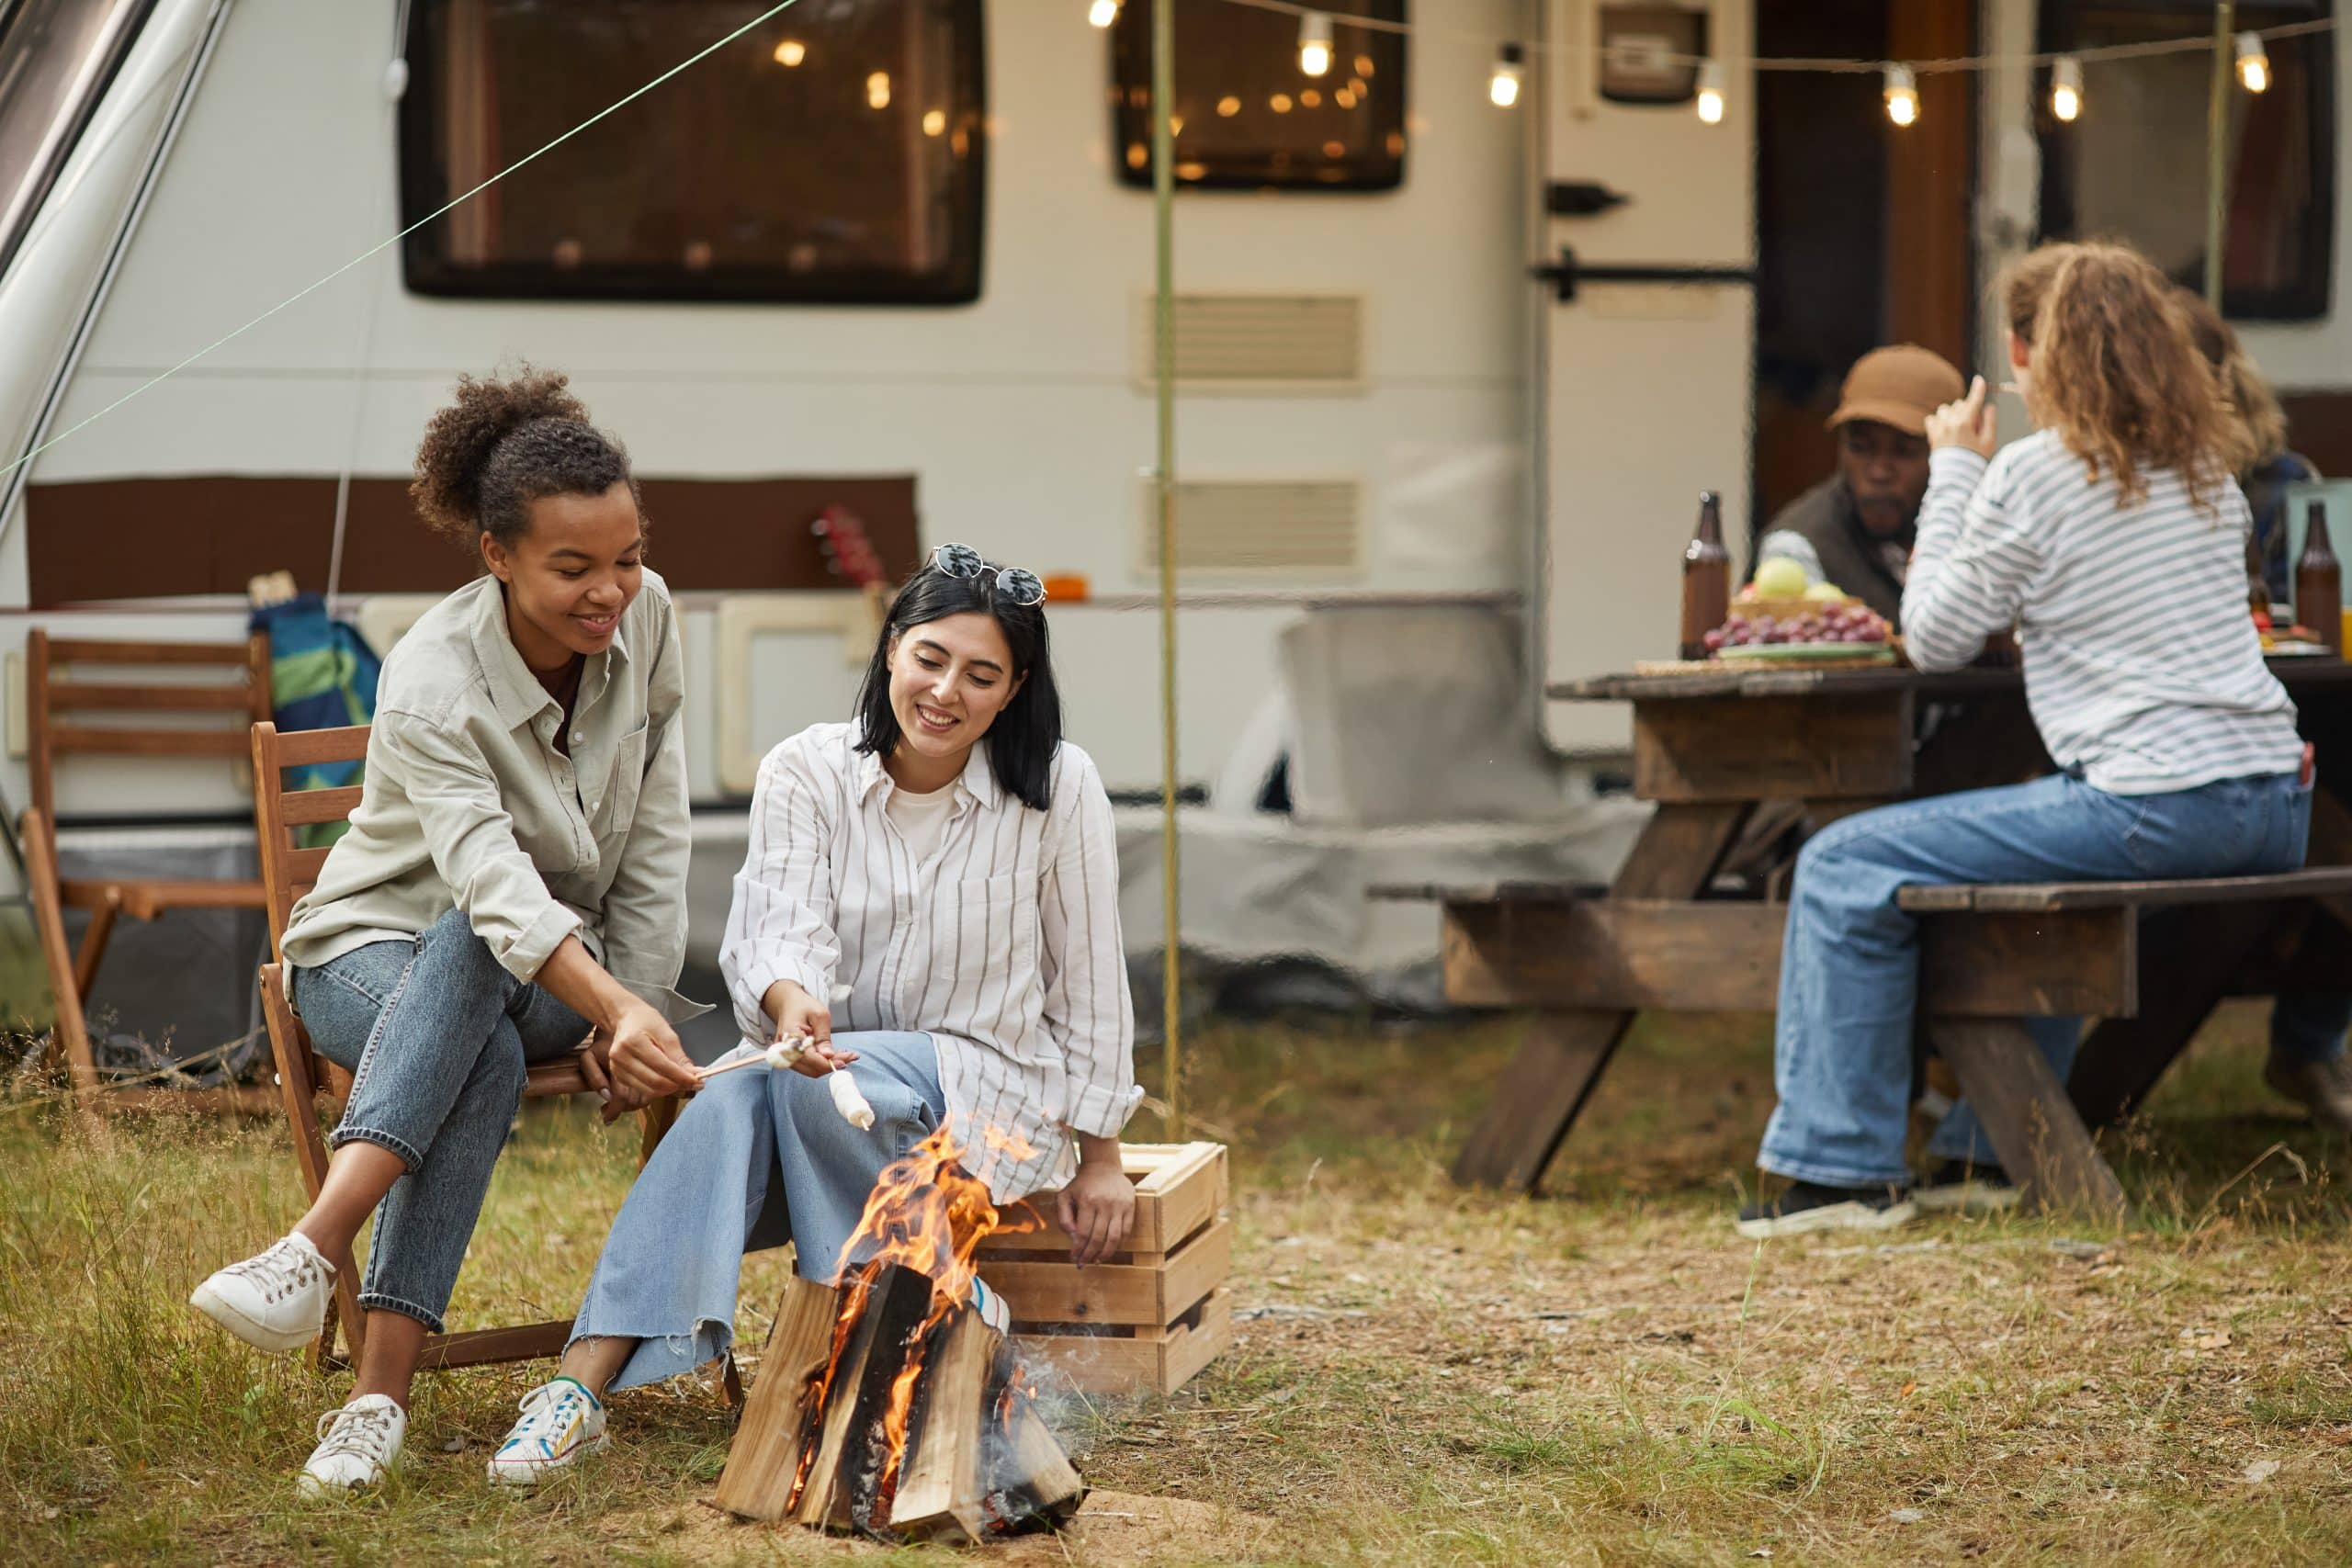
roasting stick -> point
(783, 1056)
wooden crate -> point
(1150, 1318)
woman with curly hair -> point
(511, 889)
(2114, 539)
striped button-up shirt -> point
(1003, 944)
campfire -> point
(890, 1404)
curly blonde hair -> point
(2116, 371)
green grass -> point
(1602, 1374)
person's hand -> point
(1968, 424)
(807, 1022)
(1098, 1210)
(640, 1057)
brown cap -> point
(1899, 385)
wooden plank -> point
(2313, 883)
(88, 696)
(302, 806)
(72, 1030)
(494, 1346)
(1725, 957)
(1539, 1095)
(2188, 959)
(1751, 748)
(130, 741)
(1484, 892)
(1119, 1365)
(1152, 1293)
(84, 650)
(302, 868)
(2036, 1135)
(542, 1080)
(308, 747)
(146, 900)
(940, 1495)
(1169, 1208)
(764, 1460)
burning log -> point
(891, 1406)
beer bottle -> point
(1706, 579)
(2319, 582)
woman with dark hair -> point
(511, 889)
(944, 866)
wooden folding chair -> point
(304, 1077)
(51, 701)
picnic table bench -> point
(2149, 959)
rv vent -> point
(1311, 343)
(1259, 525)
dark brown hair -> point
(505, 442)
(2252, 404)
(2116, 373)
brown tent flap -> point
(208, 534)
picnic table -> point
(1741, 764)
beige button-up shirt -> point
(1001, 941)
(468, 803)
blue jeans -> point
(436, 1036)
(1849, 964)
(758, 1158)
(2308, 1026)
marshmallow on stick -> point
(784, 1055)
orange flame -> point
(926, 1214)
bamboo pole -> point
(2217, 150)
(1164, 199)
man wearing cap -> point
(1855, 528)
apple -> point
(1781, 577)
(1826, 592)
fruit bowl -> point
(1842, 628)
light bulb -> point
(2253, 66)
(1510, 67)
(877, 90)
(1315, 43)
(1902, 95)
(1103, 13)
(791, 52)
(2066, 87)
(1710, 92)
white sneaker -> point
(356, 1447)
(275, 1300)
(561, 1420)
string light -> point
(1510, 68)
(1711, 93)
(1902, 95)
(877, 90)
(2066, 87)
(1103, 13)
(791, 52)
(2253, 66)
(1315, 43)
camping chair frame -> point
(304, 1077)
(49, 703)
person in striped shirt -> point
(930, 901)
(2113, 539)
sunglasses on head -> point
(963, 561)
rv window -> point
(1247, 115)
(833, 154)
(56, 58)
(2132, 165)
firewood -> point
(939, 1494)
(761, 1468)
(1031, 1482)
(843, 1482)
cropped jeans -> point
(1850, 963)
(436, 1035)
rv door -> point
(1648, 317)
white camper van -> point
(1453, 369)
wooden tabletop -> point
(2299, 672)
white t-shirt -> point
(921, 819)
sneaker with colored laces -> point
(274, 1300)
(561, 1420)
(1807, 1206)
(1962, 1187)
(357, 1446)
(2323, 1088)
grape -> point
(1715, 640)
